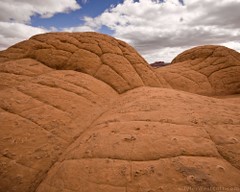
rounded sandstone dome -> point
(205, 52)
(101, 56)
(206, 70)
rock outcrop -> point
(101, 56)
(85, 112)
(158, 64)
(206, 70)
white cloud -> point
(12, 33)
(164, 54)
(85, 1)
(15, 17)
(83, 28)
(154, 28)
(233, 45)
(22, 10)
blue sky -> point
(158, 29)
(90, 8)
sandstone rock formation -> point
(84, 112)
(157, 64)
(206, 70)
(103, 57)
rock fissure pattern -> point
(85, 112)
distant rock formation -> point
(157, 64)
(85, 112)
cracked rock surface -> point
(84, 112)
(206, 70)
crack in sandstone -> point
(17, 74)
(142, 160)
(18, 163)
(35, 123)
(71, 143)
(220, 153)
(44, 102)
(69, 91)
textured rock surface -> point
(103, 57)
(84, 112)
(207, 70)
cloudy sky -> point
(158, 29)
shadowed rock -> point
(85, 112)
